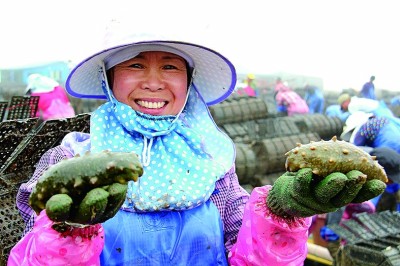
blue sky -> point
(343, 42)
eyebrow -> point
(164, 57)
(173, 57)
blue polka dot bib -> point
(182, 156)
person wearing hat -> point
(250, 88)
(334, 110)
(354, 104)
(287, 100)
(53, 102)
(188, 207)
(353, 124)
(390, 160)
(367, 130)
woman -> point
(288, 100)
(366, 130)
(188, 207)
(314, 99)
(53, 101)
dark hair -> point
(189, 73)
(110, 77)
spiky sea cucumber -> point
(78, 175)
(326, 157)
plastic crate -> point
(3, 108)
(22, 107)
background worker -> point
(53, 102)
(314, 99)
(368, 89)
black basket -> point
(22, 107)
(24, 142)
(371, 239)
(12, 134)
(3, 108)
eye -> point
(170, 67)
(136, 65)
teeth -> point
(151, 105)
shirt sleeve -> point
(49, 158)
(230, 199)
(263, 240)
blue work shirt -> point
(335, 110)
(368, 91)
(315, 100)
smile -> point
(151, 105)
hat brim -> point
(350, 132)
(38, 83)
(346, 135)
(342, 98)
(353, 124)
(215, 76)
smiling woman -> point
(152, 82)
(189, 200)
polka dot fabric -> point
(186, 155)
(368, 131)
(215, 76)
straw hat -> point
(214, 75)
(343, 97)
(251, 76)
(38, 83)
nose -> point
(153, 80)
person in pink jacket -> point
(288, 100)
(53, 102)
(250, 88)
(188, 207)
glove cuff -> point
(275, 211)
(274, 204)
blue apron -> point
(191, 237)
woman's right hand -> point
(86, 189)
(97, 206)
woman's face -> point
(154, 83)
